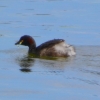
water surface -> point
(23, 77)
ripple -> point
(3, 6)
(42, 14)
(5, 23)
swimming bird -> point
(51, 48)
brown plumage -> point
(51, 48)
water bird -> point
(51, 48)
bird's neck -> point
(32, 49)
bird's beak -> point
(19, 42)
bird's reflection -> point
(25, 63)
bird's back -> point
(54, 48)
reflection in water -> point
(51, 65)
(57, 62)
(25, 63)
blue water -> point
(77, 77)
